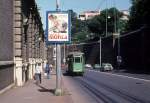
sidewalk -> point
(32, 93)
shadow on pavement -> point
(43, 89)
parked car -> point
(106, 67)
(97, 66)
(88, 66)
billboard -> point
(58, 27)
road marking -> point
(122, 76)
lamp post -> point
(100, 50)
(117, 33)
(100, 38)
(106, 16)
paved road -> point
(77, 91)
(103, 87)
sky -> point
(79, 6)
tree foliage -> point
(98, 24)
(139, 14)
(78, 28)
(82, 30)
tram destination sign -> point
(58, 27)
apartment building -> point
(88, 15)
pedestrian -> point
(38, 72)
(51, 67)
(48, 71)
(45, 71)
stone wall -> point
(6, 44)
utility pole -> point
(106, 17)
(117, 32)
(100, 51)
(100, 38)
(58, 90)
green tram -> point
(75, 62)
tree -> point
(80, 36)
(139, 14)
(78, 28)
(97, 25)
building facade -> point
(88, 15)
(6, 44)
(22, 44)
(125, 15)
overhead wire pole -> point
(106, 17)
(100, 51)
(58, 90)
(117, 32)
(100, 38)
(117, 28)
(115, 18)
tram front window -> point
(77, 59)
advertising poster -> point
(58, 27)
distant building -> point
(125, 15)
(88, 15)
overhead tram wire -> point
(100, 4)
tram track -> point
(100, 97)
(88, 83)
